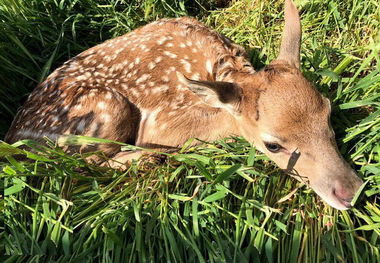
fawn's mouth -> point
(345, 202)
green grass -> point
(217, 202)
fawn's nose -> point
(345, 191)
(343, 196)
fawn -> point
(174, 79)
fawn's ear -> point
(291, 36)
(218, 94)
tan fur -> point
(174, 79)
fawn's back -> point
(127, 88)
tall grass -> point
(217, 202)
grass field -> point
(218, 202)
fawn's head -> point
(286, 118)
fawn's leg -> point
(122, 160)
(101, 113)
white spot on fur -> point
(151, 65)
(179, 86)
(186, 65)
(143, 78)
(162, 40)
(170, 54)
(135, 93)
(101, 105)
(106, 117)
(108, 96)
(135, 72)
(77, 107)
(158, 59)
(81, 78)
(66, 108)
(209, 66)
(107, 59)
(160, 89)
(196, 76)
(124, 86)
(170, 69)
(181, 77)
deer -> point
(175, 79)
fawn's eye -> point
(273, 147)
